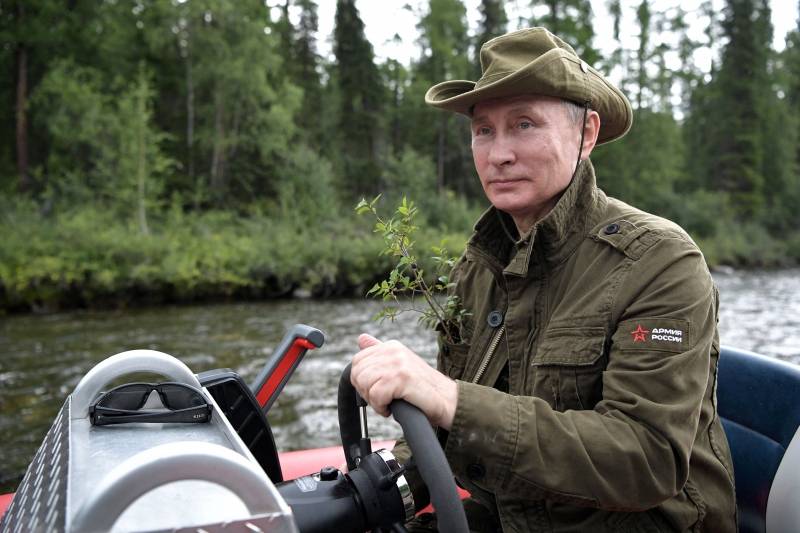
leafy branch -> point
(407, 278)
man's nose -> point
(501, 152)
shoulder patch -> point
(663, 334)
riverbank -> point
(89, 258)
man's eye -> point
(524, 125)
(483, 130)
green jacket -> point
(587, 373)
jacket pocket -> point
(569, 364)
(452, 358)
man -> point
(581, 396)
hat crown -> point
(534, 61)
(512, 51)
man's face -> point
(525, 149)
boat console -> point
(223, 475)
(141, 476)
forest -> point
(159, 151)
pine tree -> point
(643, 167)
(643, 16)
(493, 23)
(790, 60)
(284, 30)
(781, 134)
(396, 80)
(360, 95)
(744, 91)
(445, 56)
(32, 33)
(570, 20)
(689, 75)
(305, 70)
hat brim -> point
(556, 74)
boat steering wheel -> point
(428, 453)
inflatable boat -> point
(224, 474)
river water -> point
(43, 357)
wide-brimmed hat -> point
(534, 61)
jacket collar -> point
(553, 238)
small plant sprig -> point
(407, 278)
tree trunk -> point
(440, 155)
(218, 154)
(25, 183)
(396, 141)
(554, 24)
(141, 161)
(189, 106)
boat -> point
(227, 475)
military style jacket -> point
(587, 373)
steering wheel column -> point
(428, 454)
(374, 495)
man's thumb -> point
(365, 341)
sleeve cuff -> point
(483, 437)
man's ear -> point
(590, 132)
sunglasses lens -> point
(177, 397)
(128, 397)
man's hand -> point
(384, 371)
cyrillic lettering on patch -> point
(654, 333)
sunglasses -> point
(123, 404)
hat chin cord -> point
(580, 146)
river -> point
(43, 357)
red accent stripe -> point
(5, 501)
(273, 381)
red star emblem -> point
(639, 333)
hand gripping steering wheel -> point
(428, 453)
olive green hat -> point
(534, 61)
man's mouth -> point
(505, 181)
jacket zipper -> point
(489, 353)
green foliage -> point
(445, 43)
(90, 257)
(304, 70)
(409, 174)
(740, 96)
(644, 167)
(570, 20)
(115, 139)
(493, 23)
(203, 149)
(408, 276)
(360, 101)
(306, 191)
(744, 244)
